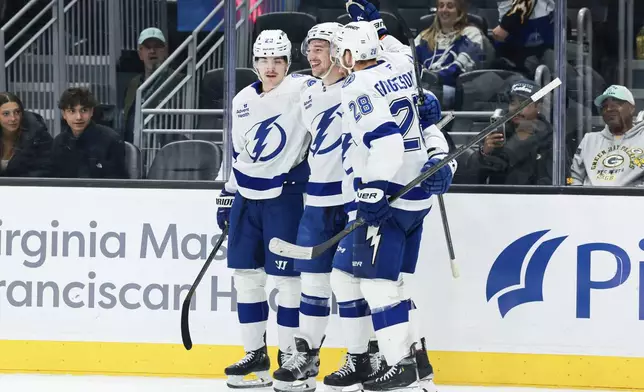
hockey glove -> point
(430, 111)
(440, 181)
(224, 204)
(373, 206)
(364, 10)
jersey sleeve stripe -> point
(386, 129)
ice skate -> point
(403, 375)
(255, 363)
(378, 363)
(425, 369)
(298, 372)
(351, 375)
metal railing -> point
(543, 76)
(584, 66)
(74, 45)
(202, 54)
(625, 23)
(138, 15)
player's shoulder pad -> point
(349, 80)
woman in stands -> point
(25, 142)
(450, 46)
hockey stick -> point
(442, 123)
(441, 204)
(284, 248)
(185, 308)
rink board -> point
(549, 293)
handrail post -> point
(559, 123)
(3, 66)
(59, 60)
(584, 66)
(630, 33)
(621, 56)
(543, 76)
(230, 19)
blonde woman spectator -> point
(450, 46)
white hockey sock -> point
(355, 315)
(314, 306)
(414, 322)
(357, 327)
(252, 307)
(390, 316)
(288, 313)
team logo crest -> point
(324, 121)
(266, 140)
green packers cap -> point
(151, 32)
(617, 92)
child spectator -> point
(85, 149)
(450, 46)
(25, 143)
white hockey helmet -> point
(322, 31)
(359, 38)
(272, 43)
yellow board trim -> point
(455, 368)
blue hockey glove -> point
(430, 111)
(364, 10)
(373, 206)
(440, 181)
(224, 204)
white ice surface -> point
(47, 383)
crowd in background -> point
(520, 153)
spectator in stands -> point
(450, 46)
(25, 143)
(519, 153)
(153, 51)
(614, 156)
(85, 149)
(525, 36)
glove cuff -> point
(380, 27)
(225, 199)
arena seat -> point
(323, 10)
(211, 96)
(187, 160)
(133, 161)
(296, 25)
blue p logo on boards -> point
(519, 279)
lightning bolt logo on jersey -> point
(322, 113)
(268, 141)
(324, 120)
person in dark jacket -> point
(521, 152)
(85, 149)
(25, 143)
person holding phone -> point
(519, 153)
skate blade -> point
(307, 385)
(254, 380)
(427, 385)
(413, 387)
(349, 388)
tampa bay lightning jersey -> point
(270, 140)
(322, 113)
(382, 118)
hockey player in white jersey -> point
(267, 183)
(324, 214)
(378, 98)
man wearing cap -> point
(519, 153)
(153, 51)
(615, 155)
